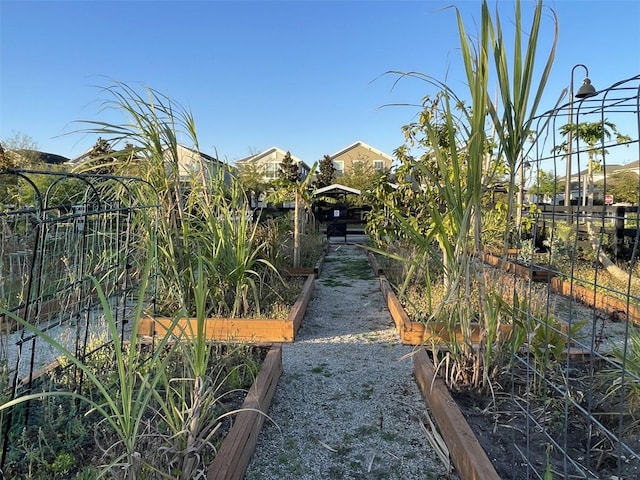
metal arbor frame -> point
(563, 399)
(62, 236)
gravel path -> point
(347, 406)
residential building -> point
(579, 183)
(269, 163)
(191, 161)
(26, 156)
(360, 152)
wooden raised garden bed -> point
(534, 273)
(613, 306)
(39, 312)
(256, 330)
(432, 333)
(315, 271)
(234, 455)
(419, 333)
(468, 456)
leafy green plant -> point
(157, 416)
(52, 442)
(158, 410)
(441, 209)
(542, 337)
(311, 249)
(275, 235)
(526, 251)
(129, 396)
(624, 382)
(122, 410)
(236, 263)
(87, 473)
(203, 220)
(548, 474)
(241, 376)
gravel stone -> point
(347, 405)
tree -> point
(6, 162)
(594, 134)
(362, 176)
(546, 186)
(101, 159)
(326, 172)
(420, 192)
(289, 170)
(251, 178)
(623, 186)
(20, 151)
(300, 191)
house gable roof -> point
(204, 156)
(628, 167)
(44, 157)
(361, 144)
(259, 156)
(85, 155)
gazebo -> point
(336, 189)
(336, 209)
(336, 215)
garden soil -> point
(347, 405)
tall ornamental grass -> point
(121, 407)
(520, 90)
(158, 410)
(200, 257)
(466, 145)
(204, 228)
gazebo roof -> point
(335, 189)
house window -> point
(378, 164)
(339, 166)
(271, 170)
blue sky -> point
(306, 76)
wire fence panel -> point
(64, 237)
(576, 388)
